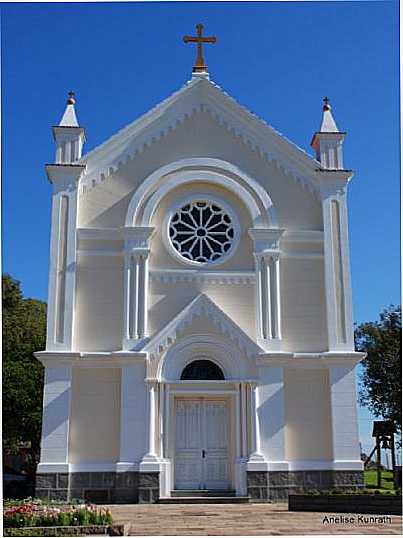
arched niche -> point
(233, 363)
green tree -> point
(381, 389)
(24, 331)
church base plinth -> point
(277, 485)
(99, 487)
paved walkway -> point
(241, 520)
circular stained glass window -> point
(202, 232)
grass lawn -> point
(386, 479)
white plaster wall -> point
(303, 304)
(99, 303)
(95, 415)
(308, 433)
(105, 204)
(168, 300)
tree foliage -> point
(24, 331)
(381, 380)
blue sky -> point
(278, 59)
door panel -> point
(216, 443)
(188, 464)
(201, 458)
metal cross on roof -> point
(326, 105)
(199, 39)
(71, 99)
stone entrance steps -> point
(203, 496)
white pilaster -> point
(272, 415)
(143, 307)
(136, 283)
(244, 421)
(63, 257)
(237, 413)
(166, 420)
(255, 457)
(56, 416)
(337, 265)
(346, 447)
(150, 461)
(240, 464)
(126, 298)
(268, 292)
(161, 414)
(133, 430)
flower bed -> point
(88, 530)
(36, 513)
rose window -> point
(201, 232)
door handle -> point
(203, 453)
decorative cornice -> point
(63, 172)
(135, 238)
(88, 359)
(167, 276)
(201, 306)
(321, 360)
(67, 130)
(116, 234)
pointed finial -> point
(326, 105)
(71, 99)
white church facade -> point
(200, 331)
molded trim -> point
(215, 171)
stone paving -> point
(240, 520)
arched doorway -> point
(202, 428)
(204, 414)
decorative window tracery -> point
(202, 231)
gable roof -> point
(201, 306)
(199, 94)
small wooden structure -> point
(383, 431)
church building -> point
(200, 331)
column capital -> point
(252, 384)
(136, 252)
(137, 237)
(266, 239)
(267, 255)
(151, 382)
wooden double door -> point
(202, 444)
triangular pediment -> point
(201, 307)
(199, 95)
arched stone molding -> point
(234, 364)
(214, 171)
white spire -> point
(68, 135)
(69, 118)
(328, 124)
(328, 141)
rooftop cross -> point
(326, 106)
(199, 66)
(71, 100)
